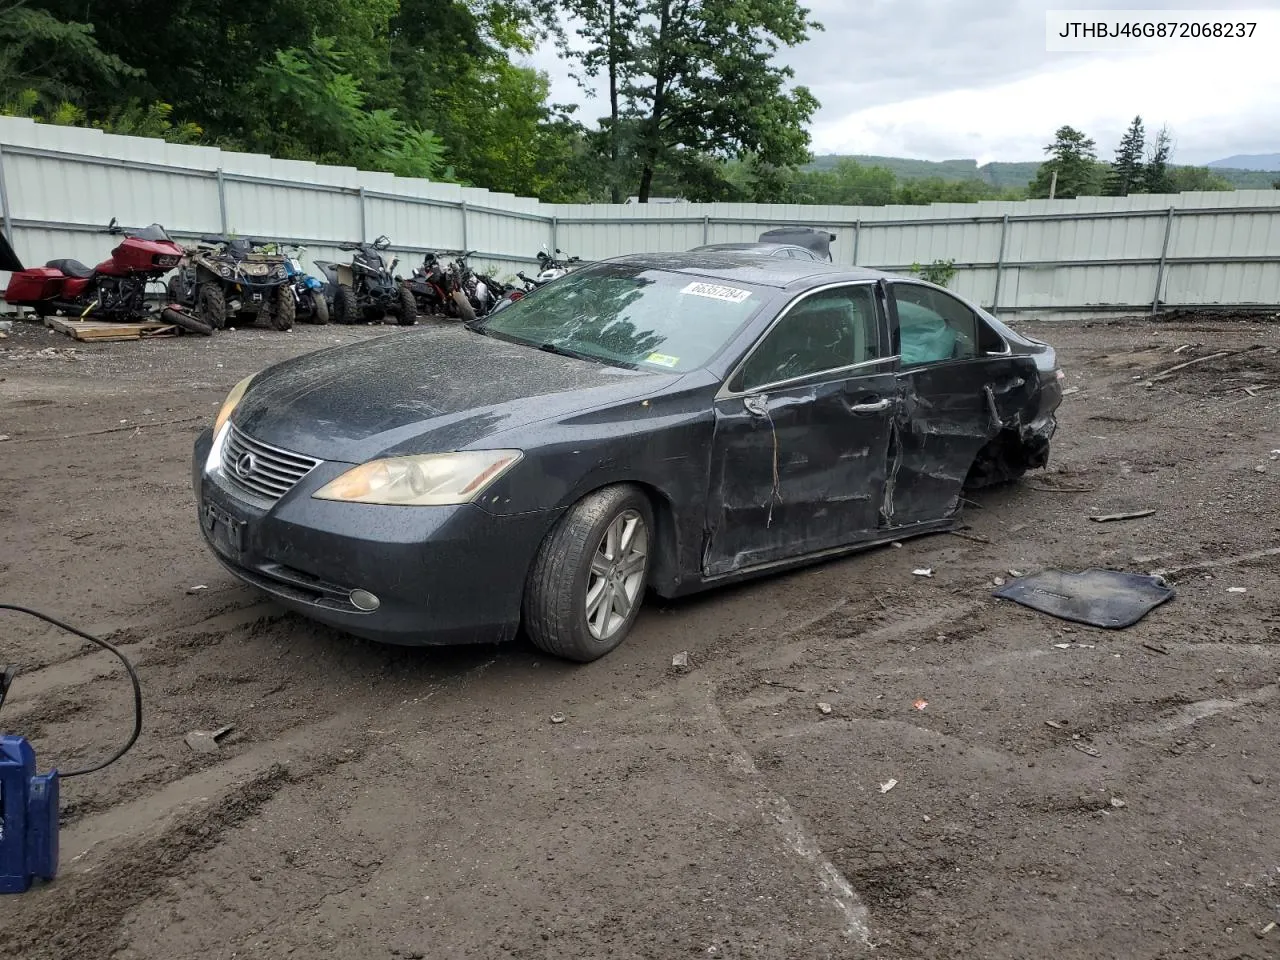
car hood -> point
(423, 391)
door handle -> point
(877, 406)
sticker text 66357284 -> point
(715, 291)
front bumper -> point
(443, 575)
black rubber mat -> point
(1099, 598)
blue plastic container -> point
(28, 818)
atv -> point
(367, 289)
(310, 304)
(224, 278)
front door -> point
(802, 435)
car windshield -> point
(630, 316)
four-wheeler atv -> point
(367, 288)
(224, 278)
(114, 290)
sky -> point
(948, 79)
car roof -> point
(748, 268)
(751, 245)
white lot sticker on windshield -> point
(662, 359)
(715, 291)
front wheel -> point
(211, 306)
(407, 312)
(588, 579)
(344, 305)
(465, 310)
(319, 308)
(185, 321)
(285, 309)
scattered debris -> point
(968, 536)
(1257, 778)
(824, 707)
(1118, 803)
(1267, 929)
(1160, 650)
(923, 572)
(1054, 724)
(1070, 390)
(920, 704)
(3, 437)
(1185, 346)
(197, 588)
(557, 718)
(1086, 749)
(1131, 515)
(888, 785)
(1015, 574)
(100, 331)
(1164, 375)
(927, 819)
(998, 581)
(1063, 646)
(1236, 590)
(896, 545)
(1259, 469)
(680, 659)
(206, 741)
(1110, 599)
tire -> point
(465, 310)
(319, 309)
(556, 612)
(344, 305)
(407, 312)
(284, 309)
(186, 321)
(211, 306)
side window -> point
(825, 331)
(934, 326)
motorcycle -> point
(367, 287)
(224, 277)
(452, 289)
(427, 284)
(115, 290)
(550, 268)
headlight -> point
(229, 405)
(431, 479)
(224, 270)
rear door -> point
(802, 434)
(959, 384)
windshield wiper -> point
(589, 357)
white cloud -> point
(971, 78)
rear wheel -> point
(211, 306)
(284, 309)
(407, 312)
(1003, 460)
(465, 310)
(588, 579)
(344, 305)
(319, 308)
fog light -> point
(364, 600)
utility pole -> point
(1053, 184)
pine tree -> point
(1126, 174)
(1156, 177)
(1073, 157)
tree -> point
(1126, 173)
(696, 80)
(1074, 159)
(1192, 179)
(1155, 176)
(52, 58)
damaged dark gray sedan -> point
(662, 422)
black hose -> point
(133, 677)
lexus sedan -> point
(660, 422)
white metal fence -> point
(59, 186)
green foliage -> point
(1127, 171)
(1155, 174)
(940, 272)
(1191, 179)
(1074, 159)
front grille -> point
(261, 469)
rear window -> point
(631, 316)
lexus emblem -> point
(245, 466)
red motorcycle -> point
(114, 290)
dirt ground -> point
(1066, 792)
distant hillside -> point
(1019, 174)
(1269, 162)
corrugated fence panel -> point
(1046, 258)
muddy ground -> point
(1066, 792)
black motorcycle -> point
(367, 288)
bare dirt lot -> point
(1066, 792)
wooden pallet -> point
(100, 332)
